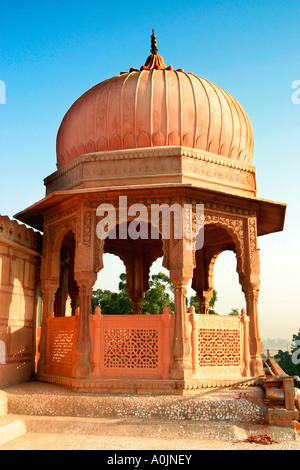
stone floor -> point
(243, 404)
(46, 441)
(55, 418)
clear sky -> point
(52, 52)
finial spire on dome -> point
(154, 49)
(154, 61)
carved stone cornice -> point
(155, 165)
(148, 153)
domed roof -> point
(153, 107)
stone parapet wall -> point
(14, 233)
(20, 251)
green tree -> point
(290, 363)
(156, 298)
(235, 312)
(195, 302)
(284, 359)
(159, 295)
(122, 283)
(212, 303)
(111, 303)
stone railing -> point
(132, 346)
(140, 346)
(220, 345)
(60, 352)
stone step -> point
(231, 414)
(154, 429)
(11, 427)
(234, 405)
(3, 403)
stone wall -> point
(20, 251)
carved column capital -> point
(85, 279)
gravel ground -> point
(111, 434)
(40, 441)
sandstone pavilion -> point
(152, 136)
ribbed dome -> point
(155, 106)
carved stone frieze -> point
(60, 215)
(148, 166)
(98, 254)
(252, 234)
(132, 167)
(147, 201)
(219, 371)
(87, 227)
(231, 218)
(219, 322)
(232, 175)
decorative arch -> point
(136, 254)
(235, 228)
(56, 235)
(99, 245)
(214, 244)
(68, 288)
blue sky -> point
(52, 52)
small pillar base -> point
(82, 369)
(182, 369)
(256, 366)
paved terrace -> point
(44, 416)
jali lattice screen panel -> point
(131, 348)
(61, 335)
(219, 345)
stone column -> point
(74, 295)
(204, 298)
(251, 296)
(182, 367)
(180, 277)
(135, 282)
(82, 366)
(202, 279)
(85, 275)
(194, 338)
(166, 319)
(179, 259)
(48, 288)
(250, 282)
(96, 320)
(62, 292)
(245, 336)
(139, 259)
